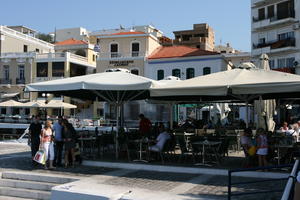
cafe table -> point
(205, 144)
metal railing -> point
(130, 54)
(5, 81)
(230, 184)
(290, 14)
(289, 188)
(288, 42)
(20, 80)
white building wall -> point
(78, 33)
(216, 63)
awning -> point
(9, 95)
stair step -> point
(25, 193)
(26, 184)
(58, 179)
(13, 198)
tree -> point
(45, 37)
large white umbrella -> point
(58, 104)
(113, 87)
(10, 103)
(33, 104)
(245, 83)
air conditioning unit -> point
(296, 63)
(296, 26)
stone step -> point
(47, 178)
(25, 193)
(13, 198)
(26, 184)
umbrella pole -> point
(247, 115)
(117, 131)
(171, 116)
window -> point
(186, 37)
(262, 41)
(94, 57)
(284, 36)
(114, 50)
(190, 73)
(290, 62)
(284, 9)
(37, 50)
(135, 71)
(42, 69)
(271, 11)
(281, 63)
(261, 14)
(272, 64)
(58, 69)
(160, 74)
(206, 70)
(25, 48)
(21, 72)
(135, 47)
(176, 72)
(6, 72)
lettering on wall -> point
(120, 62)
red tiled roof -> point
(128, 33)
(71, 41)
(179, 51)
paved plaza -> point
(16, 157)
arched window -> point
(190, 73)
(135, 71)
(160, 74)
(176, 72)
(206, 70)
(135, 49)
(114, 49)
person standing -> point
(58, 141)
(262, 147)
(69, 136)
(145, 126)
(34, 132)
(47, 144)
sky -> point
(230, 19)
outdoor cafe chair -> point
(184, 152)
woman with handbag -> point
(47, 144)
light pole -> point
(45, 95)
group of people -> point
(291, 130)
(257, 146)
(53, 140)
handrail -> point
(289, 186)
(253, 169)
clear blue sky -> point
(229, 18)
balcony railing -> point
(289, 42)
(20, 80)
(131, 54)
(290, 14)
(5, 81)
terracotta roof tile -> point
(71, 41)
(179, 51)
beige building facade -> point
(125, 50)
(202, 36)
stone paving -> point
(17, 157)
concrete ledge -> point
(90, 189)
(187, 170)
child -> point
(262, 147)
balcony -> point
(272, 22)
(4, 81)
(123, 55)
(20, 81)
(274, 46)
(190, 40)
(41, 79)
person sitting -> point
(187, 125)
(284, 127)
(160, 140)
(144, 126)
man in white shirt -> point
(160, 140)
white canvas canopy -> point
(238, 83)
(112, 87)
(10, 103)
(33, 104)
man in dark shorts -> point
(35, 129)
